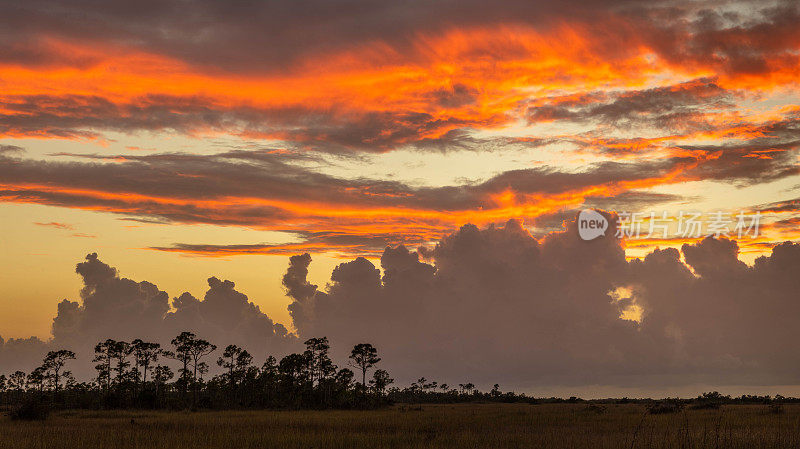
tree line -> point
(142, 374)
(136, 374)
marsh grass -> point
(434, 426)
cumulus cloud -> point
(21, 353)
(115, 307)
(498, 305)
(227, 315)
(490, 305)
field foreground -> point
(434, 426)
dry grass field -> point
(434, 426)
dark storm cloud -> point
(495, 304)
(225, 314)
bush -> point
(712, 400)
(30, 410)
(666, 406)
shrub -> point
(712, 400)
(665, 406)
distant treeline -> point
(137, 375)
(134, 375)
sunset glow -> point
(180, 145)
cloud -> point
(290, 192)
(314, 242)
(206, 34)
(225, 314)
(495, 304)
(81, 117)
(498, 305)
(373, 244)
(755, 161)
(737, 37)
(285, 192)
(490, 305)
(57, 225)
(21, 353)
(730, 318)
(399, 80)
(678, 108)
(111, 306)
(10, 149)
(792, 205)
(744, 42)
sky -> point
(409, 173)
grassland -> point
(433, 426)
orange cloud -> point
(436, 87)
(461, 78)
